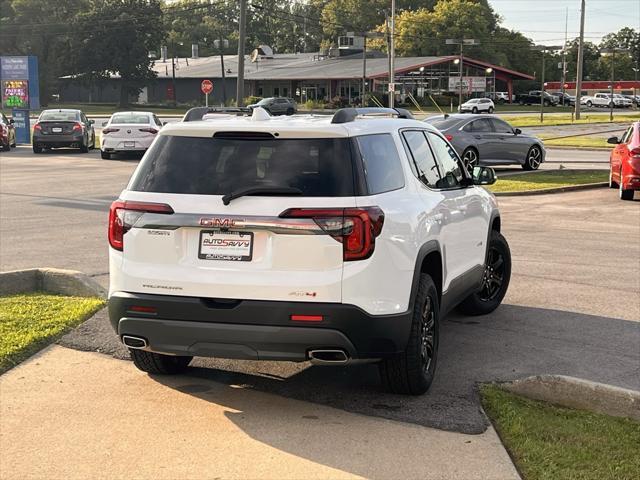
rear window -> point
(130, 118)
(56, 116)
(319, 167)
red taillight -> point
(123, 215)
(635, 152)
(355, 228)
(149, 130)
(37, 126)
(109, 130)
(77, 127)
(448, 137)
(306, 318)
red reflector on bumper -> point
(139, 308)
(306, 318)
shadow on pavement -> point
(514, 342)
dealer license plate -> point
(129, 144)
(56, 129)
(231, 246)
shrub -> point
(251, 99)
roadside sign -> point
(206, 86)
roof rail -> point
(346, 115)
(197, 113)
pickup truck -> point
(604, 100)
(533, 98)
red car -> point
(7, 133)
(624, 162)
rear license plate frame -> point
(235, 235)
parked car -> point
(602, 100)
(622, 101)
(565, 98)
(7, 133)
(128, 132)
(488, 140)
(503, 97)
(624, 162)
(477, 105)
(277, 105)
(336, 239)
(634, 99)
(197, 113)
(533, 98)
(63, 128)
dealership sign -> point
(469, 84)
(19, 82)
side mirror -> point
(484, 176)
(104, 124)
(12, 121)
(613, 140)
(517, 131)
(91, 122)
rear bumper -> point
(255, 330)
(58, 140)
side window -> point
(501, 127)
(382, 166)
(157, 120)
(627, 135)
(482, 125)
(423, 159)
(450, 169)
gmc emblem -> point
(218, 222)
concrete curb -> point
(577, 393)
(52, 280)
(588, 149)
(570, 188)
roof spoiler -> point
(346, 115)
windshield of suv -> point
(473, 100)
(58, 116)
(318, 167)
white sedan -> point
(477, 105)
(128, 132)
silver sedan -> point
(488, 140)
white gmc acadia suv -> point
(331, 239)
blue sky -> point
(544, 20)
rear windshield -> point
(443, 123)
(319, 167)
(56, 116)
(130, 118)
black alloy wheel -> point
(470, 158)
(493, 276)
(534, 158)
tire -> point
(497, 269)
(490, 110)
(37, 149)
(470, 158)
(105, 155)
(521, 103)
(6, 146)
(157, 363)
(84, 148)
(290, 111)
(624, 194)
(501, 101)
(474, 110)
(534, 158)
(412, 371)
(15, 142)
(546, 103)
(589, 104)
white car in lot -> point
(128, 132)
(477, 105)
(331, 239)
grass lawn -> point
(29, 322)
(534, 120)
(541, 180)
(548, 442)
(579, 142)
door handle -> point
(478, 136)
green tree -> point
(116, 37)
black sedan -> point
(488, 140)
(63, 128)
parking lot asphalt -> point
(572, 307)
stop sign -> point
(206, 86)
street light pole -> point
(461, 42)
(612, 51)
(460, 78)
(392, 42)
(241, 41)
(543, 49)
(580, 60)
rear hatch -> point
(131, 133)
(181, 236)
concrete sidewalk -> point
(70, 414)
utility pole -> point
(221, 44)
(364, 73)
(392, 53)
(580, 59)
(564, 54)
(544, 49)
(241, 41)
(612, 51)
(460, 78)
(173, 74)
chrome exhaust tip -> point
(134, 342)
(328, 357)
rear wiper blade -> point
(241, 192)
